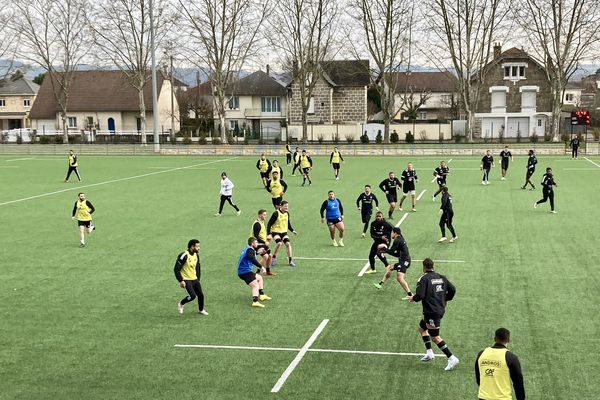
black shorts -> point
(366, 215)
(408, 189)
(276, 201)
(248, 277)
(87, 224)
(283, 236)
(391, 198)
(441, 183)
(530, 173)
(432, 320)
(264, 175)
(402, 266)
(263, 246)
(504, 165)
(333, 221)
(305, 171)
(336, 165)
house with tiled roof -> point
(17, 95)
(339, 96)
(103, 101)
(432, 95)
(256, 102)
(516, 97)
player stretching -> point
(335, 217)
(83, 209)
(487, 163)
(334, 159)
(440, 174)
(409, 177)
(244, 269)
(398, 249)
(390, 188)
(364, 202)
(278, 226)
(434, 290)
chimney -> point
(497, 50)
(268, 69)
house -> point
(103, 101)
(198, 99)
(515, 100)
(256, 102)
(430, 95)
(339, 96)
(17, 95)
(572, 94)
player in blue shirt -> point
(244, 269)
(334, 213)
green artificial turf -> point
(101, 322)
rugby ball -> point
(382, 247)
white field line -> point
(9, 166)
(20, 159)
(111, 181)
(299, 356)
(434, 178)
(366, 266)
(597, 165)
(580, 169)
(421, 194)
(377, 353)
(362, 259)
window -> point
(72, 122)
(233, 125)
(2, 103)
(422, 114)
(26, 103)
(311, 106)
(569, 97)
(498, 97)
(234, 103)
(270, 104)
(514, 71)
(539, 122)
(90, 122)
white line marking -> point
(159, 167)
(449, 161)
(377, 353)
(421, 194)
(366, 266)
(210, 346)
(9, 166)
(299, 356)
(20, 159)
(111, 181)
(597, 165)
(580, 169)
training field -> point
(101, 322)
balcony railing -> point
(257, 113)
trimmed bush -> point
(394, 138)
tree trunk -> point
(223, 129)
(143, 114)
(304, 128)
(470, 124)
(556, 110)
(65, 128)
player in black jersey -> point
(505, 157)
(390, 188)
(381, 233)
(446, 215)
(399, 249)
(574, 146)
(440, 173)
(547, 190)
(409, 177)
(531, 162)
(487, 163)
(364, 203)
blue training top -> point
(246, 261)
(332, 210)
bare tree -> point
(8, 42)
(386, 33)
(412, 98)
(561, 33)
(121, 30)
(55, 36)
(304, 32)
(223, 34)
(464, 31)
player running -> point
(409, 178)
(72, 162)
(531, 162)
(440, 173)
(547, 190)
(364, 202)
(334, 159)
(487, 163)
(306, 164)
(277, 187)
(187, 273)
(505, 157)
(278, 226)
(381, 232)
(83, 210)
(390, 187)
(263, 165)
(334, 212)
(398, 249)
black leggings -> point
(294, 169)
(288, 159)
(574, 152)
(366, 218)
(228, 199)
(194, 290)
(374, 253)
(548, 194)
(72, 169)
(446, 220)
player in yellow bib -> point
(334, 159)
(259, 231)
(263, 165)
(278, 226)
(187, 273)
(83, 210)
(495, 367)
(277, 188)
(72, 162)
(306, 164)
(288, 154)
